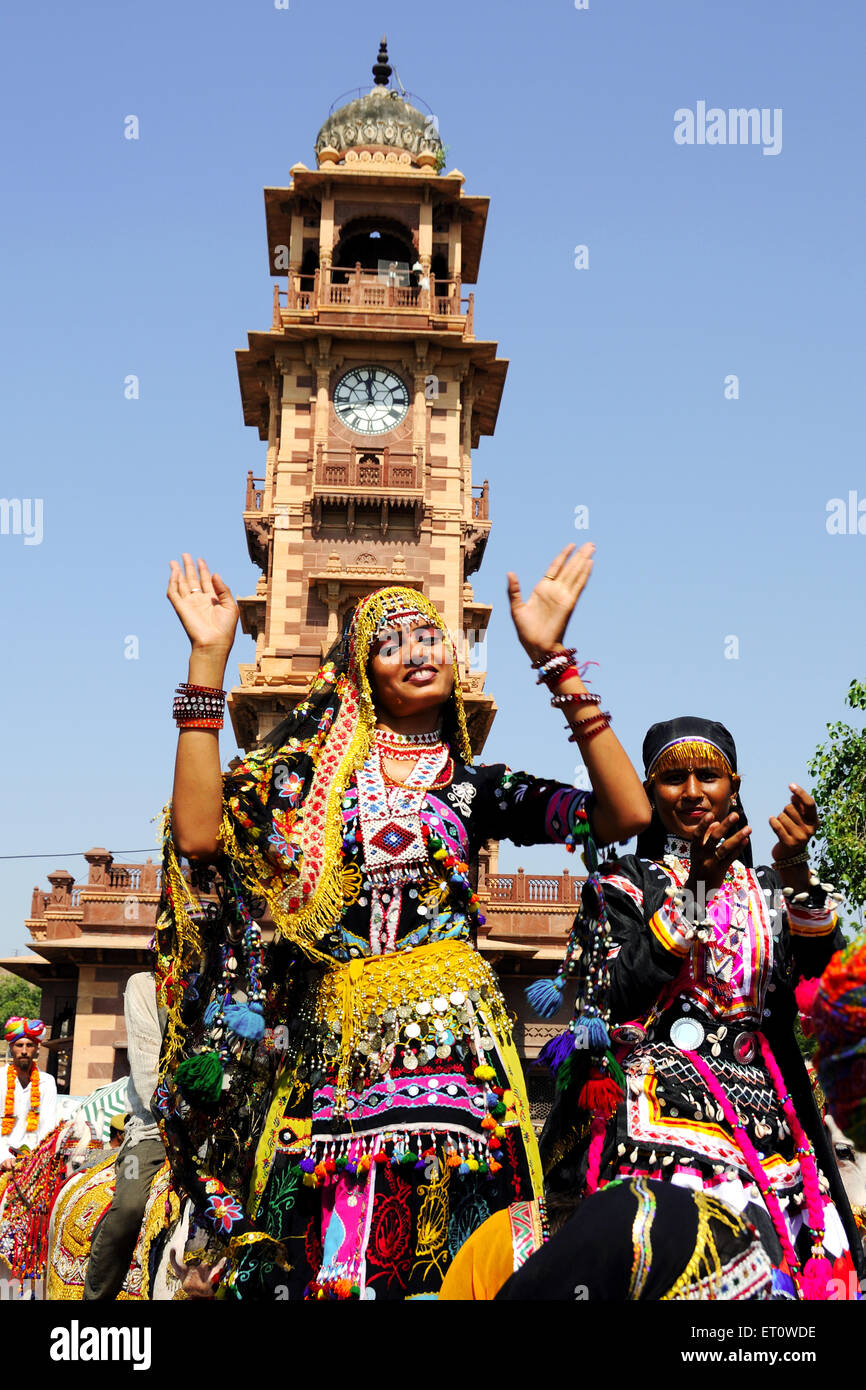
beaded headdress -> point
(404, 609)
(686, 742)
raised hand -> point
(541, 620)
(795, 825)
(204, 605)
(714, 848)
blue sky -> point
(149, 257)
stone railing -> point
(481, 502)
(360, 469)
(541, 890)
(345, 287)
(255, 493)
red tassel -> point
(815, 1281)
(805, 997)
(601, 1095)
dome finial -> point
(381, 67)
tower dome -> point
(380, 126)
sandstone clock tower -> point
(371, 390)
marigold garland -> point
(9, 1108)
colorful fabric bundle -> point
(838, 1016)
(29, 1193)
(18, 1028)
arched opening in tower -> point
(382, 247)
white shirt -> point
(47, 1112)
(143, 1041)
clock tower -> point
(371, 391)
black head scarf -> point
(679, 742)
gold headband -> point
(400, 605)
(689, 753)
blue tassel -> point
(545, 997)
(594, 1032)
(555, 1052)
(210, 1011)
(246, 1021)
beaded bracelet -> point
(593, 719)
(588, 728)
(554, 669)
(570, 673)
(801, 858)
(196, 703)
(547, 657)
(584, 698)
(197, 708)
(586, 738)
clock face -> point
(371, 400)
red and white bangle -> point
(198, 707)
(553, 665)
(584, 698)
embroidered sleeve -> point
(807, 934)
(811, 921)
(642, 963)
(671, 928)
(529, 810)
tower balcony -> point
(366, 471)
(369, 484)
(337, 294)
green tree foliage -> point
(17, 999)
(839, 769)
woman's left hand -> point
(542, 619)
(796, 825)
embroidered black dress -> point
(378, 1156)
(672, 993)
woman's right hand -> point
(204, 605)
(713, 850)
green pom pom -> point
(566, 1072)
(616, 1071)
(200, 1078)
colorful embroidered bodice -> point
(728, 971)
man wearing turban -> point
(28, 1096)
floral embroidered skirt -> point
(399, 1125)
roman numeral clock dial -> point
(371, 400)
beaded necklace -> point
(445, 777)
(408, 747)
